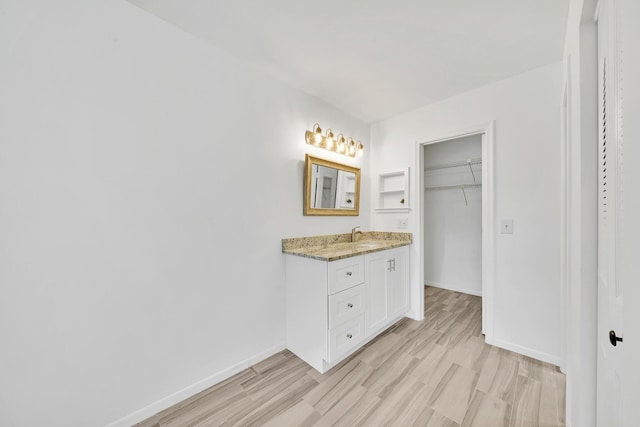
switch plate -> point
(403, 223)
(506, 226)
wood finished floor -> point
(434, 373)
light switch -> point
(403, 223)
(506, 226)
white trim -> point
(455, 134)
(455, 288)
(488, 229)
(180, 395)
(535, 354)
(257, 358)
(417, 287)
(565, 214)
(487, 130)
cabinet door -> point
(398, 283)
(376, 269)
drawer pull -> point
(349, 336)
(349, 273)
(350, 305)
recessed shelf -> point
(393, 191)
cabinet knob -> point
(349, 336)
(349, 273)
(350, 305)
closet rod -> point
(467, 162)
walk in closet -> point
(453, 214)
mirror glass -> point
(330, 188)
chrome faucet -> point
(354, 233)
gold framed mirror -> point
(330, 188)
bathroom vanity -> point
(341, 294)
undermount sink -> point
(367, 245)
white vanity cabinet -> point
(334, 307)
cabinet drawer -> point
(345, 273)
(346, 305)
(345, 337)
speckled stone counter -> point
(333, 247)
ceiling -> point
(377, 58)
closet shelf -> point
(467, 162)
(455, 187)
(449, 187)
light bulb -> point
(314, 136)
(341, 143)
(329, 140)
(352, 147)
(360, 149)
(317, 134)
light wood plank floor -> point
(438, 372)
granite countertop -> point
(338, 246)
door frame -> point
(488, 214)
(565, 216)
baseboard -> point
(265, 354)
(185, 393)
(453, 288)
(535, 354)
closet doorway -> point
(457, 216)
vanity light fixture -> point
(340, 144)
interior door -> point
(610, 292)
(325, 179)
(628, 12)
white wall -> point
(527, 158)
(453, 229)
(146, 180)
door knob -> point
(613, 338)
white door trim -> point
(565, 214)
(488, 215)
